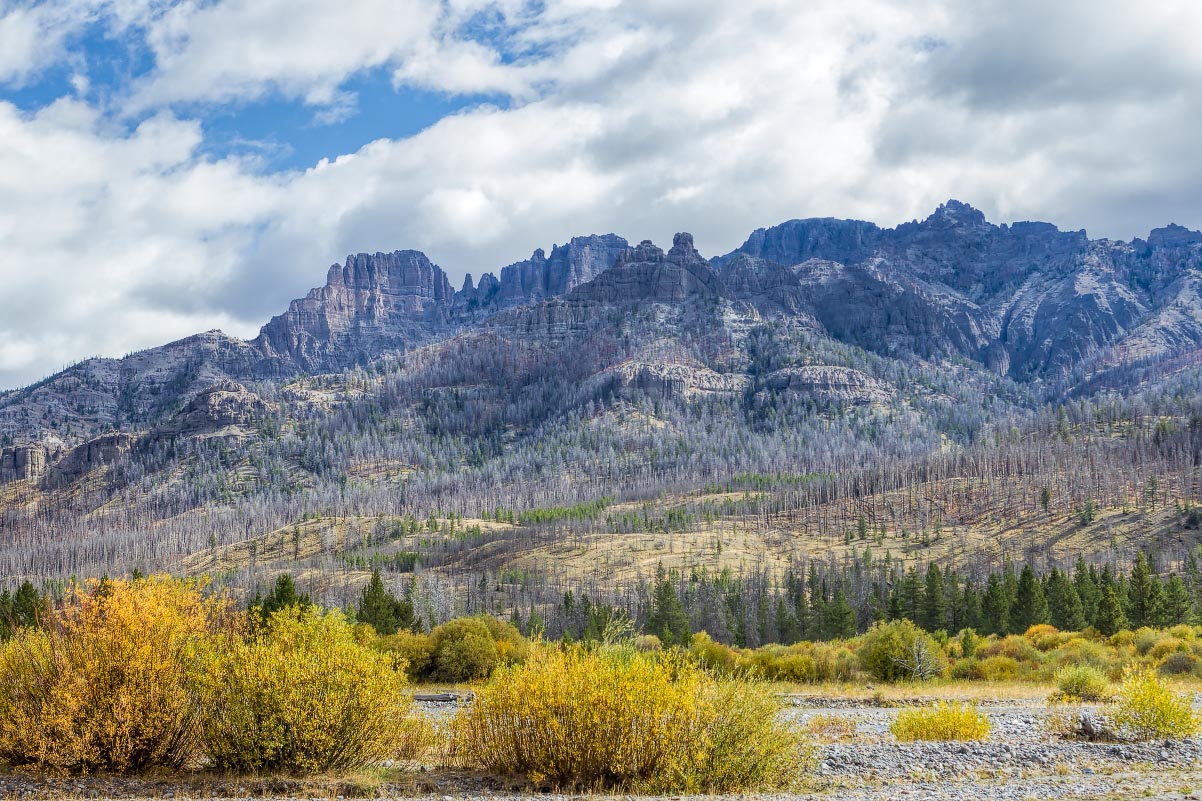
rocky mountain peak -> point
(577, 262)
(372, 303)
(1174, 235)
(955, 214)
(645, 272)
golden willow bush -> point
(617, 718)
(305, 696)
(942, 721)
(107, 683)
(1145, 708)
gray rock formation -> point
(225, 409)
(372, 304)
(828, 384)
(646, 274)
(89, 456)
(25, 462)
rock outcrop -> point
(827, 384)
(25, 462)
(225, 409)
(89, 456)
(371, 304)
(645, 273)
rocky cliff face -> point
(369, 305)
(645, 273)
(1027, 300)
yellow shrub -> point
(1145, 638)
(1183, 632)
(1082, 683)
(618, 718)
(1166, 646)
(943, 721)
(648, 643)
(1121, 639)
(831, 727)
(1015, 647)
(969, 669)
(1043, 634)
(304, 697)
(1145, 708)
(1082, 651)
(713, 655)
(998, 668)
(107, 685)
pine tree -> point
(934, 605)
(973, 614)
(840, 618)
(667, 618)
(1030, 605)
(1085, 582)
(995, 607)
(912, 592)
(1064, 604)
(1145, 596)
(381, 610)
(1111, 618)
(282, 596)
(1178, 606)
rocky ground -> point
(856, 759)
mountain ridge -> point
(1025, 300)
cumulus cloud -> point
(639, 117)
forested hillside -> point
(824, 412)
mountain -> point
(827, 362)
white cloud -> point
(643, 118)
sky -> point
(173, 167)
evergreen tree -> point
(995, 607)
(1030, 605)
(282, 596)
(973, 614)
(1145, 595)
(912, 592)
(1064, 604)
(1110, 618)
(381, 610)
(1085, 582)
(840, 618)
(667, 618)
(934, 605)
(1178, 605)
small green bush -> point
(999, 668)
(1146, 709)
(1177, 663)
(303, 697)
(1083, 683)
(899, 650)
(942, 721)
(967, 670)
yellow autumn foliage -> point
(304, 696)
(942, 721)
(615, 717)
(107, 684)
